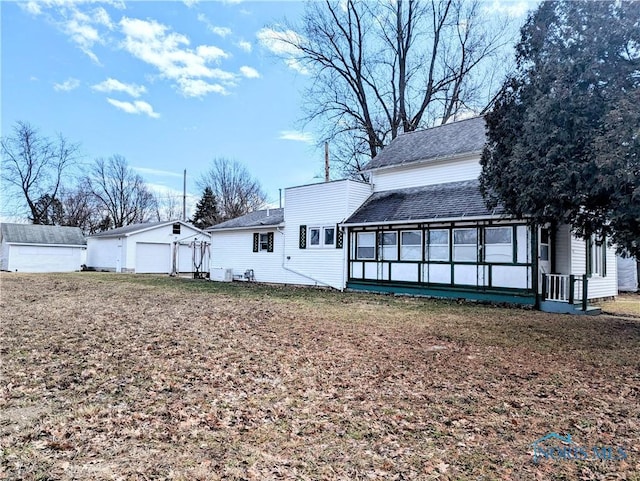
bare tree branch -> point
(236, 191)
(383, 68)
(36, 167)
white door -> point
(185, 258)
(544, 250)
(153, 258)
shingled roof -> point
(432, 202)
(449, 140)
(42, 234)
(257, 218)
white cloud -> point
(199, 87)
(249, 72)
(113, 85)
(84, 24)
(135, 107)
(157, 172)
(244, 45)
(221, 31)
(68, 85)
(282, 43)
(296, 135)
(32, 7)
(170, 53)
(190, 3)
(514, 9)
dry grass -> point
(127, 377)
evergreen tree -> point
(564, 135)
(50, 211)
(206, 213)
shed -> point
(41, 248)
(150, 248)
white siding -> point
(4, 256)
(234, 250)
(119, 253)
(35, 258)
(325, 204)
(416, 175)
(159, 235)
(599, 286)
(107, 253)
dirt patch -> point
(156, 378)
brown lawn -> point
(109, 376)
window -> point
(596, 257)
(498, 244)
(438, 245)
(176, 228)
(264, 242)
(366, 245)
(389, 246)
(322, 236)
(329, 236)
(314, 236)
(411, 245)
(544, 244)
(465, 245)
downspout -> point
(317, 281)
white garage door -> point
(153, 258)
(44, 258)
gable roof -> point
(135, 228)
(42, 234)
(257, 218)
(453, 200)
(445, 141)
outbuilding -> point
(150, 248)
(41, 248)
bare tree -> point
(236, 191)
(35, 166)
(169, 206)
(122, 195)
(383, 68)
(81, 208)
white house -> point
(41, 248)
(421, 227)
(301, 244)
(158, 247)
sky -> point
(169, 85)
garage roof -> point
(42, 234)
(135, 228)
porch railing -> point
(565, 288)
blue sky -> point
(168, 85)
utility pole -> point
(326, 161)
(184, 197)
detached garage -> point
(151, 248)
(41, 248)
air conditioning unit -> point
(228, 275)
(221, 274)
